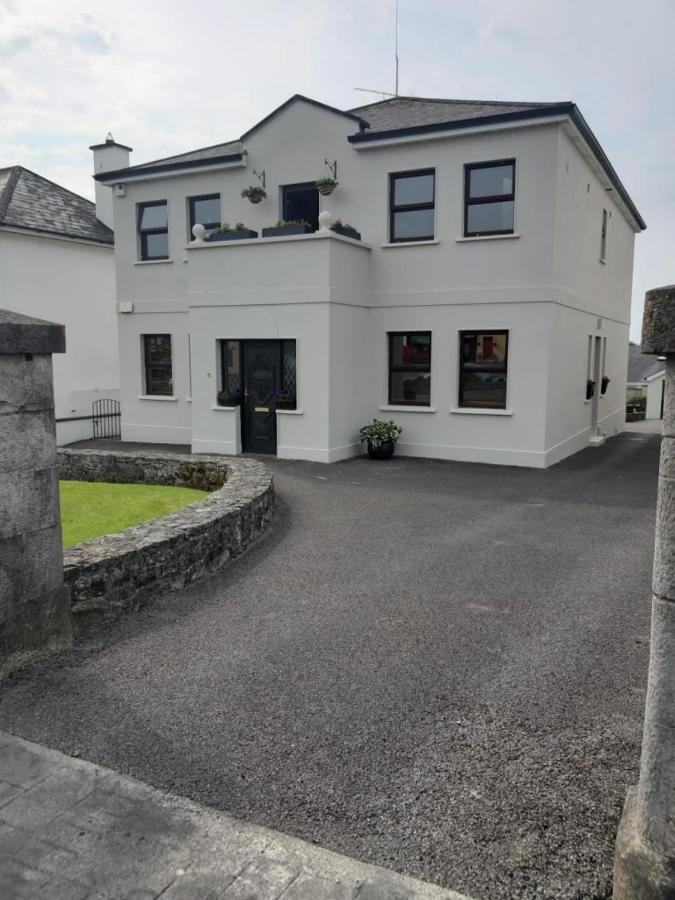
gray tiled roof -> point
(408, 112)
(205, 153)
(32, 202)
(642, 366)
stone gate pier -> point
(644, 867)
(34, 608)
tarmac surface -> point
(436, 667)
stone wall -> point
(127, 569)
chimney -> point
(108, 157)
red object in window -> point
(488, 347)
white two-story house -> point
(489, 288)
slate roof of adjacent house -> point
(642, 366)
(33, 203)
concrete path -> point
(646, 426)
(439, 668)
(70, 830)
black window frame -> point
(492, 198)
(603, 235)
(148, 365)
(144, 232)
(409, 207)
(191, 212)
(406, 368)
(461, 403)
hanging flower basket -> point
(326, 186)
(254, 193)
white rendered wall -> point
(72, 283)
(654, 395)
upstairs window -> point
(411, 206)
(483, 359)
(153, 230)
(158, 365)
(205, 211)
(489, 194)
(410, 368)
(603, 237)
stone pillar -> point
(34, 608)
(644, 867)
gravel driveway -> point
(436, 667)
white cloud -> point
(166, 76)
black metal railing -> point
(107, 418)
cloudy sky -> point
(170, 76)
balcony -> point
(319, 267)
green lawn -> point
(90, 509)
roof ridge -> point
(54, 184)
(8, 190)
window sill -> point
(409, 244)
(486, 237)
(477, 411)
(400, 407)
(218, 408)
(161, 397)
(151, 262)
(290, 412)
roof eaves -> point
(340, 112)
(152, 169)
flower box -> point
(286, 230)
(219, 236)
(346, 232)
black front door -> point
(301, 203)
(262, 377)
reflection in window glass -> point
(153, 230)
(483, 368)
(157, 362)
(230, 373)
(411, 206)
(412, 189)
(205, 211)
(410, 368)
(489, 195)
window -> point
(411, 206)
(410, 368)
(289, 380)
(489, 194)
(157, 360)
(153, 230)
(205, 211)
(230, 367)
(482, 368)
(603, 236)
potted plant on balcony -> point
(603, 384)
(326, 185)
(255, 193)
(590, 389)
(283, 400)
(380, 438)
(345, 230)
(229, 397)
(228, 232)
(285, 228)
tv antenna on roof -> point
(388, 93)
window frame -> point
(391, 369)
(492, 198)
(461, 403)
(144, 232)
(191, 212)
(410, 207)
(146, 365)
(603, 235)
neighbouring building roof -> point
(33, 203)
(642, 366)
(399, 117)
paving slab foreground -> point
(71, 830)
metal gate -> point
(107, 418)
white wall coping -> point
(402, 408)
(283, 239)
(478, 411)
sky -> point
(165, 77)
